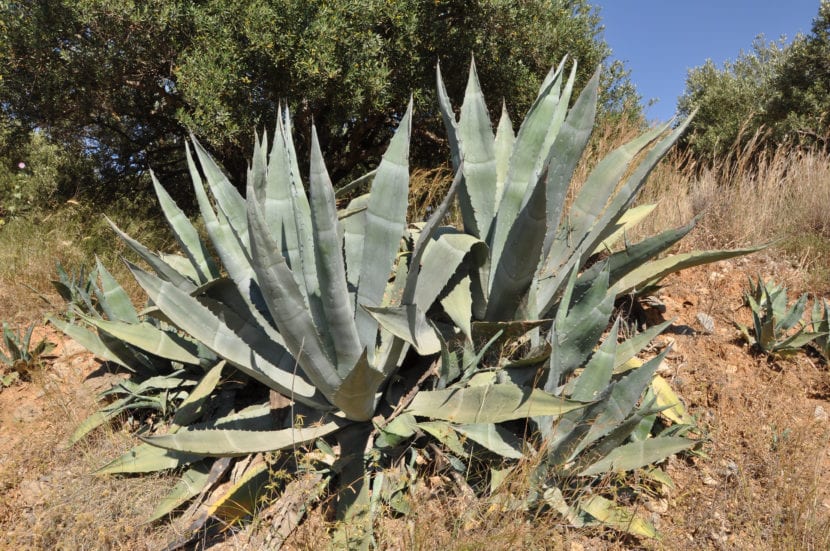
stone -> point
(820, 414)
(27, 413)
(706, 321)
(659, 506)
(32, 492)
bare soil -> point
(760, 483)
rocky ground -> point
(760, 483)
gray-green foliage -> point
(353, 328)
(778, 90)
(777, 328)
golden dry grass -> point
(30, 248)
(783, 199)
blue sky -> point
(660, 40)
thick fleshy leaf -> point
(331, 270)
(458, 304)
(475, 134)
(427, 235)
(186, 235)
(488, 404)
(230, 202)
(277, 200)
(596, 375)
(626, 223)
(410, 324)
(441, 260)
(574, 336)
(193, 481)
(493, 437)
(98, 419)
(625, 195)
(669, 402)
(621, 402)
(621, 263)
(357, 395)
(619, 518)
(639, 454)
(541, 120)
(444, 433)
(503, 149)
(385, 225)
(563, 100)
(192, 408)
(94, 344)
(234, 256)
(253, 354)
(241, 499)
(651, 272)
(145, 458)
(300, 207)
(287, 307)
(234, 443)
(516, 266)
(565, 155)
(150, 339)
(397, 431)
(450, 122)
(163, 269)
(629, 348)
(599, 188)
(115, 301)
(354, 235)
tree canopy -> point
(123, 82)
(778, 91)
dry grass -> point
(73, 235)
(783, 199)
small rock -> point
(71, 347)
(664, 369)
(709, 481)
(659, 506)
(820, 414)
(732, 468)
(31, 492)
(731, 369)
(706, 321)
(27, 413)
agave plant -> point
(513, 200)
(820, 319)
(21, 357)
(370, 334)
(776, 328)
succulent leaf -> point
(488, 404)
(235, 443)
(385, 224)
